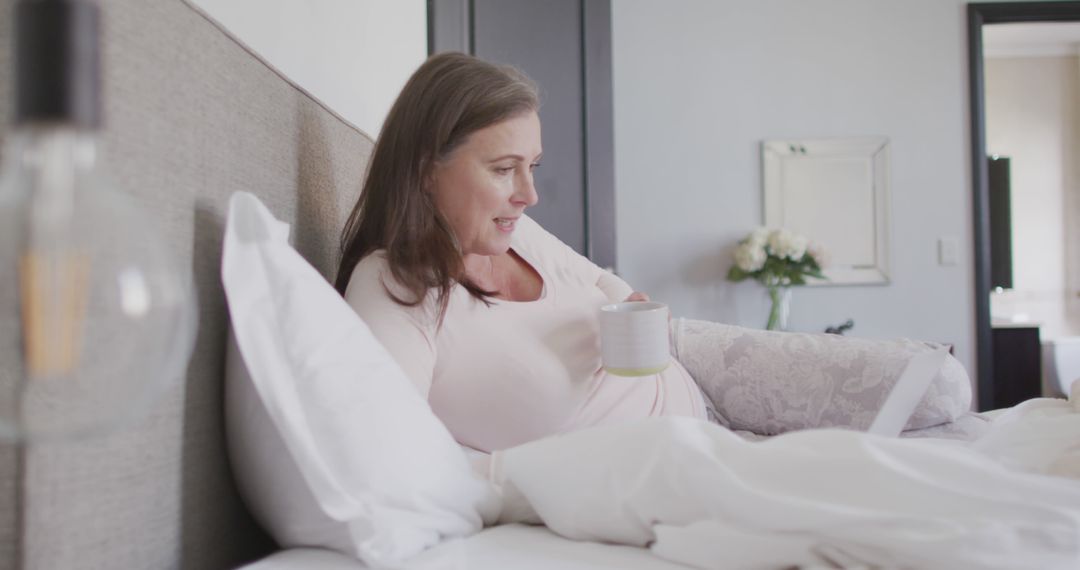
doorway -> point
(980, 14)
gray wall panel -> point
(565, 45)
(448, 26)
(544, 40)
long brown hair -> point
(449, 97)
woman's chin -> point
(496, 246)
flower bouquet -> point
(778, 259)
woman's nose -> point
(526, 191)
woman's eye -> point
(504, 170)
(534, 166)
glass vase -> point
(780, 302)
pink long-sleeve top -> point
(502, 375)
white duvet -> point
(700, 495)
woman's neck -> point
(480, 269)
(508, 274)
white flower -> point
(817, 251)
(750, 256)
(758, 237)
(783, 243)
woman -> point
(493, 318)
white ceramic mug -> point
(634, 338)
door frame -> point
(980, 14)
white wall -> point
(698, 86)
(1032, 114)
(353, 55)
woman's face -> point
(486, 183)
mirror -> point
(836, 193)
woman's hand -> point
(637, 296)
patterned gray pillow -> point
(771, 382)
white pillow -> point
(332, 444)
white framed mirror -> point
(836, 193)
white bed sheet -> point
(505, 547)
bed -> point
(333, 447)
(192, 117)
(512, 546)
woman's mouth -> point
(505, 224)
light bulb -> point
(95, 318)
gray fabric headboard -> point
(191, 116)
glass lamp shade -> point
(95, 318)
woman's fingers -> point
(637, 296)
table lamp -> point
(95, 317)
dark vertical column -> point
(980, 215)
(12, 456)
(449, 25)
(599, 131)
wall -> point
(1032, 114)
(698, 86)
(353, 55)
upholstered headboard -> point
(191, 116)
